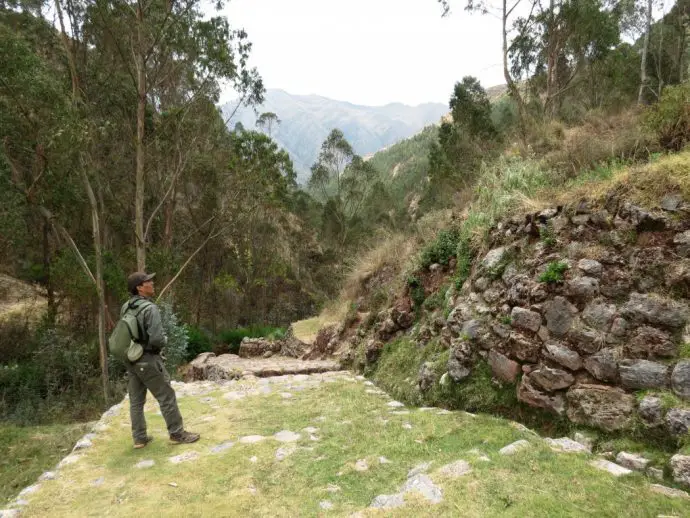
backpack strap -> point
(139, 309)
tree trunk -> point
(644, 78)
(52, 309)
(141, 115)
(512, 87)
(71, 61)
(100, 285)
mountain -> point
(306, 121)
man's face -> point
(146, 289)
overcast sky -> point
(368, 52)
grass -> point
(28, 451)
(554, 272)
(352, 425)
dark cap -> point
(137, 279)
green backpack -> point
(123, 342)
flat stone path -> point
(208, 366)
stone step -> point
(208, 366)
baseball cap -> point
(137, 279)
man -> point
(149, 372)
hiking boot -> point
(184, 437)
(142, 444)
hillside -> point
(306, 120)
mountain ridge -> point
(306, 120)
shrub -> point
(230, 339)
(669, 119)
(464, 265)
(176, 348)
(554, 272)
(417, 293)
(442, 249)
(198, 342)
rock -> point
(372, 351)
(682, 242)
(619, 328)
(680, 379)
(252, 347)
(222, 447)
(590, 267)
(599, 315)
(632, 461)
(580, 219)
(587, 340)
(651, 410)
(251, 439)
(481, 283)
(503, 367)
(361, 465)
(529, 394)
(184, 457)
(48, 475)
(583, 439)
(525, 319)
(427, 376)
(472, 329)
(543, 334)
(583, 288)
(395, 404)
(671, 202)
(601, 406)
(680, 467)
(567, 445)
(560, 354)
(419, 468)
(523, 348)
(559, 315)
(286, 436)
(649, 342)
(388, 501)
(668, 491)
(326, 504)
(641, 374)
(424, 486)
(656, 473)
(509, 272)
(403, 315)
(614, 469)
(455, 469)
(82, 444)
(678, 421)
(515, 447)
(284, 452)
(10, 513)
(492, 295)
(145, 464)
(501, 330)
(603, 366)
(655, 310)
(551, 379)
(456, 370)
(494, 258)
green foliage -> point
(471, 110)
(417, 293)
(547, 235)
(670, 117)
(435, 300)
(554, 272)
(198, 342)
(442, 249)
(176, 348)
(463, 269)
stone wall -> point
(582, 307)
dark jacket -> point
(152, 336)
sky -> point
(369, 52)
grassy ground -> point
(31, 450)
(353, 425)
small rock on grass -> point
(455, 469)
(251, 439)
(29, 490)
(48, 475)
(222, 447)
(11, 513)
(184, 457)
(388, 501)
(425, 486)
(611, 467)
(361, 465)
(419, 468)
(384, 460)
(668, 491)
(515, 447)
(145, 464)
(326, 505)
(287, 436)
(632, 461)
(395, 404)
(567, 445)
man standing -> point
(148, 372)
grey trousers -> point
(149, 374)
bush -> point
(554, 272)
(417, 293)
(198, 342)
(442, 249)
(669, 119)
(176, 348)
